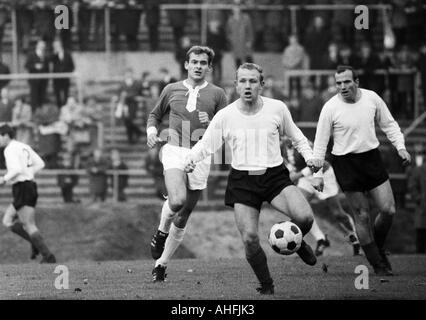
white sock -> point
(316, 232)
(167, 216)
(172, 243)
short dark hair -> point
(200, 50)
(343, 68)
(5, 129)
(251, 66)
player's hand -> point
(152, 140)
(405, 156)
(189, 164)
(318, 183)
(315, 164)
(203, 117)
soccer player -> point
(21, 164)
(191, 104)
(349, 117)
(301, 175)
(252, 126)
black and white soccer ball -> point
(285, 237)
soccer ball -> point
(285, 237)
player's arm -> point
(155, 117)
(211, 141)
(221, 103)
(322, 136)
(37, 162)
(12, 164)
(391, 128)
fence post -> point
(203, 24)
(115, 186)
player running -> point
(21, 164)
(301, 175)
(252, 126)
(191, 104)
(349, 117)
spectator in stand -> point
(274, 33)
(152, 21)
(49, 134)
(239, 30)
(180, 54)
(271, 89)
(417, 188)
(330, 89)
(6, 106)
(310, 105)
(65, 34)
(421, 67)
(346, 57)
(404, 100)
(216, 39)
(38, 62)
(97, 7)
(399, 21)
(316, 41)
(84, 14)
(4, 70)
(93, 114)
(22, 121)
(97, 168)
(294, 58)
(177, 20)
(367, 63)
(128, 102)
(165, 79)
(67, 181)
(258, 18)
(343, 22)
(44, 21)
(123, 179)
(73, 116)
(416, 29)
(330, 59)
(62, 62)
(24, 21)
(127, 14)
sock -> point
(316, 232)
(382, 225)
(18, 228)
(167, 216)
(372, 254)
(172, 243)
(420, 240)
(38, 242)
(258, 263)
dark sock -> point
(421, 240)
(304, 228)
(372, 254)
(382, 225)
(260, 267)
(38, 242)
(18, 228)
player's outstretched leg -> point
(158, 240)
(247, 220)
(292, 203)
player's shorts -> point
(359, 171)
(173, 157)
(24, 194)
(331, 188)
(252, 190)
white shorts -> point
(331, 188)
(173, 157)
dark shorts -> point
(251, 189)
(24, 194)
(359, 171)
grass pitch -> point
(220, 279)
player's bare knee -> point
(7, 223)
(176, 202)
(250, 240)
(388, 209)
